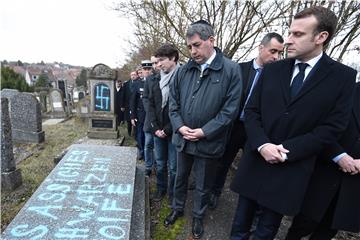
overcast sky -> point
(77, 32)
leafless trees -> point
(238, 24)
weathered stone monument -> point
(88, 195)
(83, 108)
(57, 104)
(102, 118)
(25, 116)
(10, 176)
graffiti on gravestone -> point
(88, 195)
(102, 97)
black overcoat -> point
(137, 110)
(328, 180)
(304, 125)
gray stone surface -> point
(57, 101)
(57, 105)
(11, 180)
(140, 220)
(10, 176)
(25, 116)
(7, 156)
(9, 93)
(88, 195)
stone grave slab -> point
(25, 116)
(88, 195)
(10, 176)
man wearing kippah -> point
(204, 100)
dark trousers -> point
(204, 170)
(140, 139)
(129, 127)
(303, 226)
(236, 141)
(266, 228)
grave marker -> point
(10, 176)
(88, 195)
(102, 118)
(25, 116)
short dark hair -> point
(267, 38)
(202, 28)
(167, 50)
(326, 18)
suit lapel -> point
(316, 75)
(356, 107)
(286, 78)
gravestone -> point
(57, 104)
(25, 117)
(81, 95)
(88, 195)
(83, 108)
(10, 176)
(102, 117)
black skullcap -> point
(201, 21)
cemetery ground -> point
(37, 160)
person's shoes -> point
(213, 201)
(174, 215)
(197, 228)
(158, 196)
(148, 172)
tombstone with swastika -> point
(102, 117)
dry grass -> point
(36, 168)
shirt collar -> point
(312, 61)
(209, 61)
(255, 65)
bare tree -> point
(238, 25)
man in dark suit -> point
(270, 49)
(119, 98)
(137, 114)
(333, 196)
(299, 106)
(129, 87)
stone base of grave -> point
(140, 222)
(25, 136)
(103, 134)
(56, 115)
(11, 180)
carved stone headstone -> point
(102, 120)
(25, 117)
(57, 104)
(10, 176)
(88, 195)
(83, 108)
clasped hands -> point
(349, 165)
(273, 153)
(191, 134)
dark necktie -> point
(298, 80)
